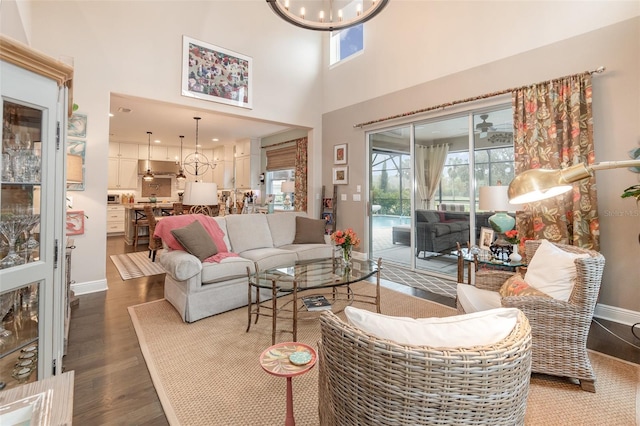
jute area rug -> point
(136, 265)
(207, 372)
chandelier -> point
(327, 15)
(196, 163)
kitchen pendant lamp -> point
(181, 176)
(196, 163)
(148, 176)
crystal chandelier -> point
(196, 163)
(327, 15)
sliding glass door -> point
(434, 168)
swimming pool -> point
(387, 221)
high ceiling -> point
(168, 121)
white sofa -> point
(201, 289)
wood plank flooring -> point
(112, 383)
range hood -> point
(159, 168)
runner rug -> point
(136, 265)
(207, 372)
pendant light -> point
(196, 163)
(180, 176)
(148, 176)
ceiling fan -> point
(493, 135)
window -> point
(273, 184)
(346, 43)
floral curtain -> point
(300, 195)
(553, 126)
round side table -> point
(275, 360)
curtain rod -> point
(599, 70)
(283, 143)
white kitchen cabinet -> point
(115, 220)
(157, 152)
(173, 153)
(35, 108)
(123, 150)
(123, 173)
(243, 172)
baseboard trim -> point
(89, 287)
(619, 315)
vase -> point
(347, 256)
(515, 257)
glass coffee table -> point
(290, 284)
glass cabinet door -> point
(31, 223)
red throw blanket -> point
(164, 227)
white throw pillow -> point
(476, 329)
(553, 271)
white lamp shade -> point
(200, 194)
(288, 186)
(495, 199)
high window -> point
(346, 43)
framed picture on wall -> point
(216, 74)
(340, 154)
(340, 175)
(75, 222)
(486, 238)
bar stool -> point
(154, 243)
(140, 221)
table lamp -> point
(287, 188)
(495, 199)
(200, 195)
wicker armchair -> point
(364, 380)
(559, 329)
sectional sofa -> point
(199, 287)
(438, 231)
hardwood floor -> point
(112, 383)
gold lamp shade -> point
(539, 184)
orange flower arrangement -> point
(345, 239)
(512, 236)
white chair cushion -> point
(469, 330)
(553, 271)
(474, 299)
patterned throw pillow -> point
(516, 286)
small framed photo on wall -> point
(340, 154)
(340, 175)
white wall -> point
(135, 48)
(415, 41)
(616, 109)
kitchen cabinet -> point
(33, 296)
(123, 150)
(122, 173)
(157, 152)
(115, 220)
(243, 172)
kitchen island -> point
(135, 212)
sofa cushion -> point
(309, 231)
(310, 251)
(283, 227)
(248, 231)
(195, 239)
(468, 330)
(517, 286)
(229, 268)
(474, 299)
(267, 258)
(427, 216)
(553, 271)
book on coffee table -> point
(316, 303)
